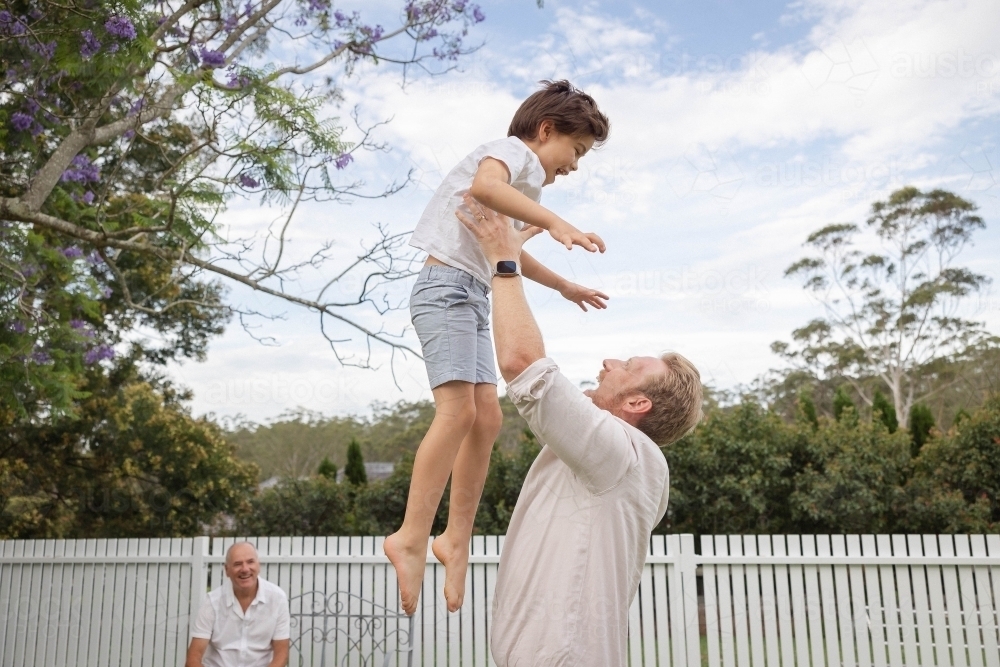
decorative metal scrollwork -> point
(359, 627)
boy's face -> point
(558, 152)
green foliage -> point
(133, 463)
(296, 443)
(317, 506)
(807, 408)
(921, 423)
(732, 475)
(327, 468)
(883, 411)
(313, 506)
(851, 479)
(503, 484)
(354, 470)
(966, 460)
(841, 401)
(745, 470)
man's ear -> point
(637, 405)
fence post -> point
(687, 568)
(198, 574)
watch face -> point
(507, 266)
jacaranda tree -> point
(125, 130)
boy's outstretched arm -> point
(492, 187)
(534, 270)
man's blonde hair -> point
(676, 398)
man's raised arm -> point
(586, 438)
(517, 338)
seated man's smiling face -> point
(617, 379)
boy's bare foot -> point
(409, 562)
(455, 558)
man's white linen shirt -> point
(238, 638)
(579, 534)
(440, 234)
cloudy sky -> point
(737, 129)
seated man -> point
(579, 534)
(244, 622)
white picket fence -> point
(865, 601)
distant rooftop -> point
(374, 469)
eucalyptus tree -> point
(893, 299)
(127, 127)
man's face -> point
(559, 153)
(618, 379)
(242, 567)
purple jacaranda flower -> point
(71, 252)
(5, 18)
(82, 171)
(248, 181)
(88, 198)
(120, 27)
(46, 51)
(318, 5)
(35, 14)
(211, 59)
(41, 357)
(343, 160)
(106, 292)
(94, 258)
(230, 23)
(459, 5)
(17, 27)
(18, 327)
(248, 8)
(113, 48)
(477, 14)
(373, 34)
(98, 353)
(21, 121)
(136, 107)
(90, 45)
(77, 324)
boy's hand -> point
(569, 236)
(581, 295)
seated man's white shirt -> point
(238, 638)
(440, 234)
(579, 535)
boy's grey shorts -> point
(450, 310)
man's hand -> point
(581, 295)
(498, 239)
(569, 236)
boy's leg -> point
(455, 414)
(467, 480)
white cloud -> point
(717, 168)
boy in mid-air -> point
(449, 305)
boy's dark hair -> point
(571, 111)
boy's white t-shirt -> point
(440, 234)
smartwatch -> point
(506, 269)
